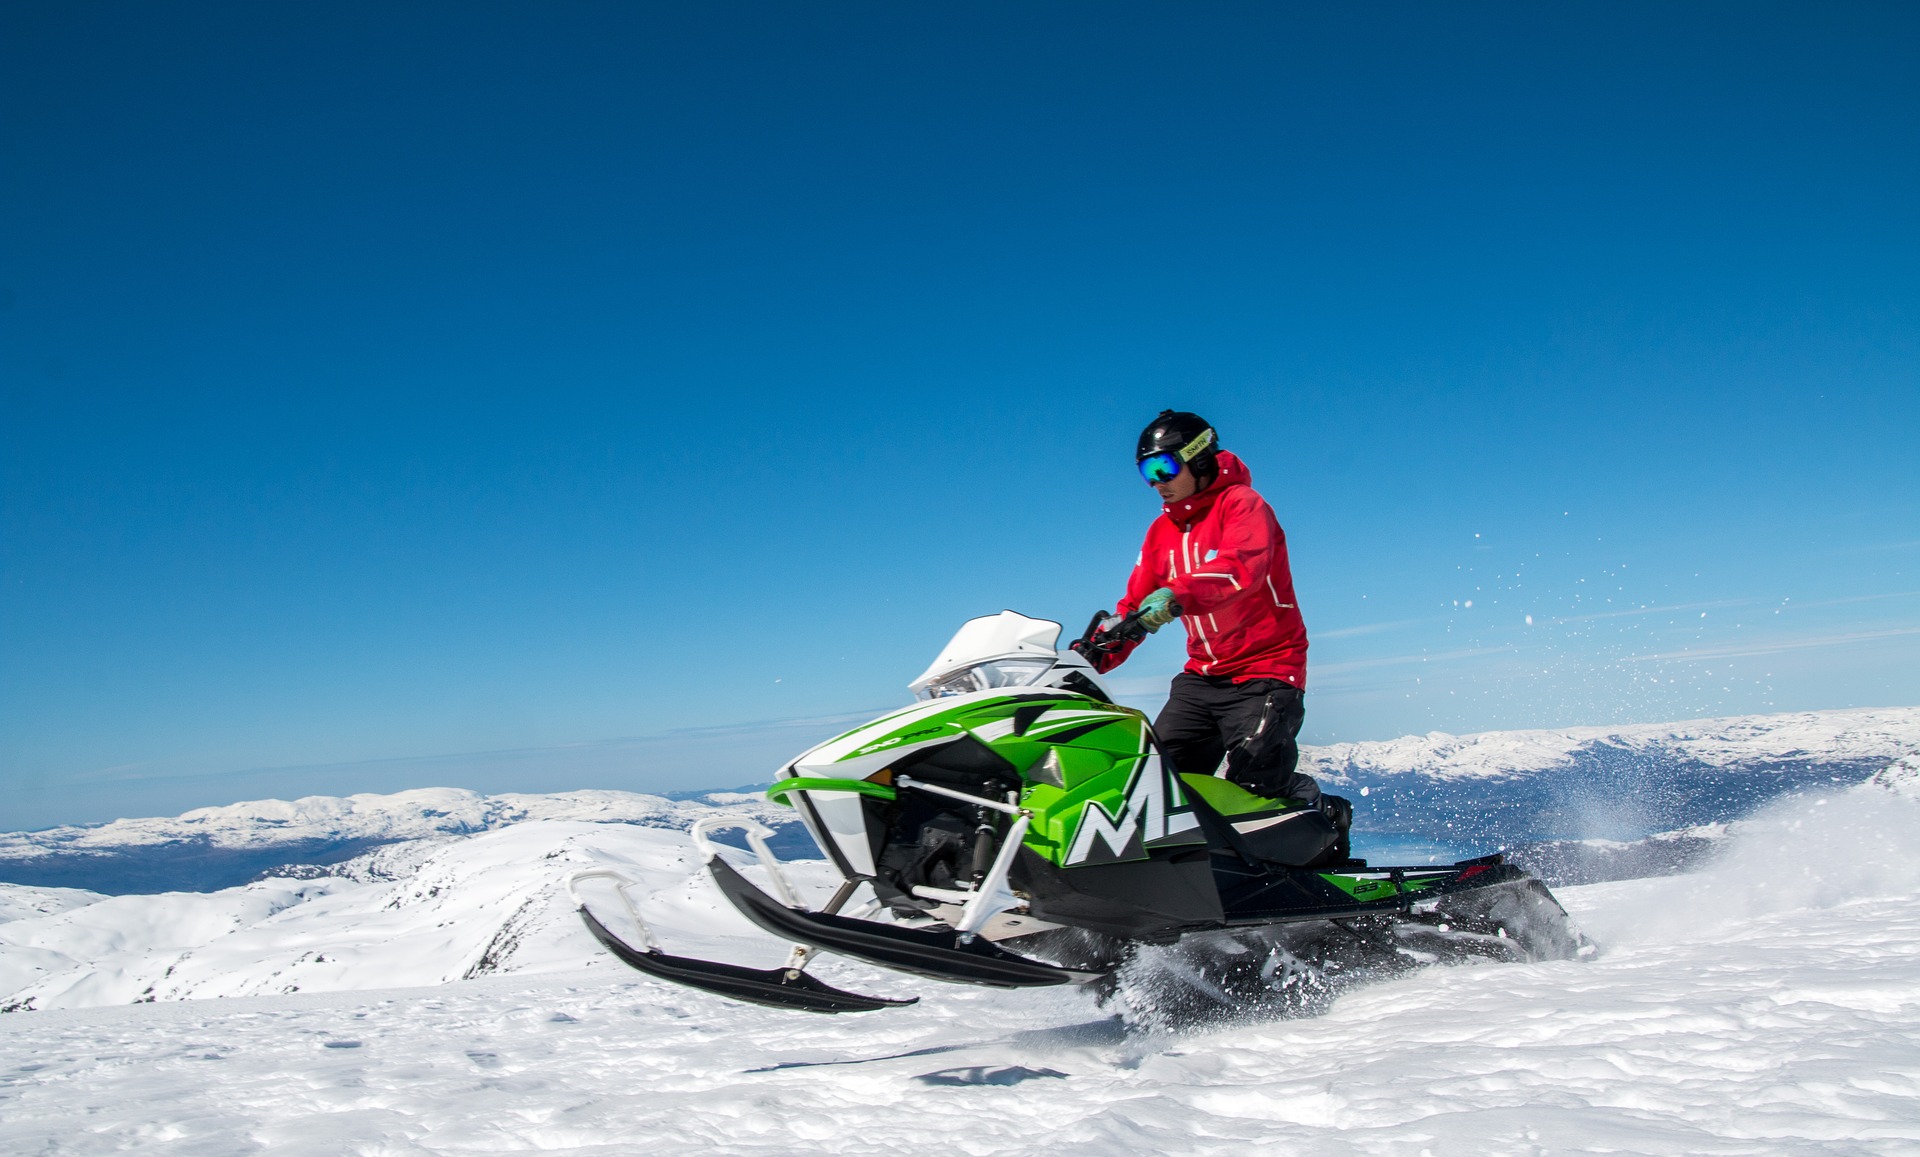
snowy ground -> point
(1768, 1005)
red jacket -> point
(1225, 556)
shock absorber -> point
(985, 844)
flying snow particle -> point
(1529, 620)
(1468, 604)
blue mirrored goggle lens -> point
(1161, 467)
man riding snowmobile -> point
(1016, 827)
(1216, 559)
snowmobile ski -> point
(937, 955)
(774, 987)
(788, 986)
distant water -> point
(195, 866)
(1400, 850)
(183, 866)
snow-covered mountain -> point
(1867, 735)
(400, 816)
(1508, 788)
(220, 846)
(407, 815)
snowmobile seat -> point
(1263, 829)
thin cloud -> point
(1402, 660)
(1855, 599)
(1743, 650)
(1714, 605)
(1909, 544)
(1368, 629)
(1719, 604)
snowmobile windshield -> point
(986, 676)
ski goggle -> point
(1161, 467)
(1167, 464)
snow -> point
(1768, 1004)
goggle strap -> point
(1196, 447)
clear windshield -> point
(986, 676)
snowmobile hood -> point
(1233, 472)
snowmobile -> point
(1016, 827)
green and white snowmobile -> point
(1016, 827)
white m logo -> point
(1146, 822)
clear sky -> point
(489, 394)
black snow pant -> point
(1251, 725)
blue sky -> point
(527, 397)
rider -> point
(1216, 558)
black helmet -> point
(1185, 438)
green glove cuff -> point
(1158, 609)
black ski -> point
(923, 952)
(774, 987)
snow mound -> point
(1812, 852)
(1902, 777)
(19, 902)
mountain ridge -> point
(1437, 794)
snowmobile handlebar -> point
(1116, 633)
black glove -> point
(1098, 640)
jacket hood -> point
(1233, 472)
